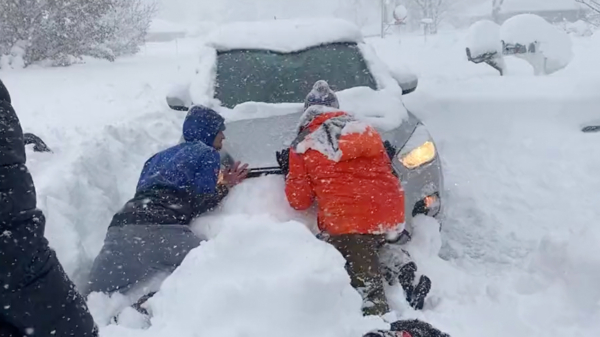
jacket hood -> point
(338, 136)
(4, 95)
(318, 113)
(202, 125)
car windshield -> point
(271, 77)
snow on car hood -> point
(382, 109)
(283, 35)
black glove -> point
(283, 159)
(390, 149)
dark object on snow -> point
(37, 297)
(591, 128)
(408, 328)
(283, 159)
(417, 328)
(38, 143)
(490, 58)
(415, 294)
(264, 171)
(493, 59)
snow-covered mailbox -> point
(527, 36)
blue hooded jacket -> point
(179, 183)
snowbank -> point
(83, 187)
(283, 35)
(554, 44)
(484, 37)
(258, 277)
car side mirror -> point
(407, 80)
(179, 98)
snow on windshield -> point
(382, 108)
(283, 35)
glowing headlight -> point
(419, 150)
(419, 156)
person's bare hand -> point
(235, 174)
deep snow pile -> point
(553, 44)
(263, 272)
(484, 37)
(258, 277)
(285, 36)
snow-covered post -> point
(496, 8)
(382, 18)
(384, 23)
(426, 23)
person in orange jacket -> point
(342, 164)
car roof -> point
(284, 36)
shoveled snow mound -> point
(283, 35)
(552, 42)
(484, 37)
(83, 185)
(257, 277)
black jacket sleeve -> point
(36, 296)
(207, 202)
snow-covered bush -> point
(579, 28)
(64, 30)
(127, 23)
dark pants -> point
(133, 255)
(362, 263)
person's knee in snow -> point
(362, 264)
(343, 165)
(175, 186)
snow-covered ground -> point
(519, 253)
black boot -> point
(417, 328)
(416, 299)
(407, 277)
(408, 328)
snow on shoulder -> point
(283, 36)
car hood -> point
(270, 128)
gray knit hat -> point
(321, 94)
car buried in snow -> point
(257, 74)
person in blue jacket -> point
(37, 298)
(150, 236)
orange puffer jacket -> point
(357, 194)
